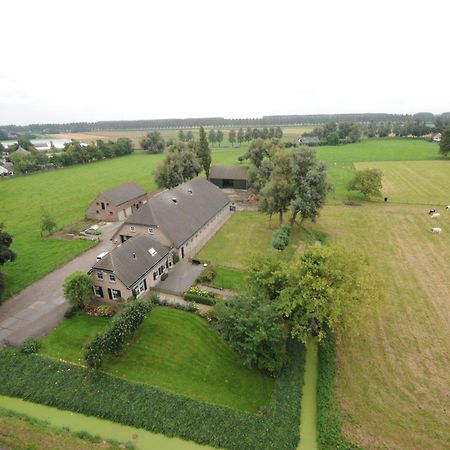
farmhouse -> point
(22, 151)
(130, 269)
(117, 203)
(235, 177)
(183, 218)
(437, 137)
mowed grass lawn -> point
(419, 182)
(393, 378)
(65, 194)
(174, 350)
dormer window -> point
(174, 200)
(190, 191)
(132, 228)
(152, 251)
(151, 230)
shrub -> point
(117, 334)
(208, 275)
(30, 346)
(78, 289)
(198, 298)
(281, 237)
(175, 257)
(74, 388)
(100, 311)
(70, 312)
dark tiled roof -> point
(128, 269)
(124, 193)
(196, 202)
(229, 172)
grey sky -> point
(111, 60)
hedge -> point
(281, 237)
(328, 413)
(197, 298)
(43, 380)
(118, 333)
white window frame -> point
(140, 289)
(100, 275)
(112, 278)
(114, 294)
(96, 289)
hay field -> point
(393, 379)
(418, 182)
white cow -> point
(435, 215)
(436, 230)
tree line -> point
(72, 153)
(273, 120)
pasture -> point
(392, 378)
(174, 350)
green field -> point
(176, 351)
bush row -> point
(155, 300)
(199, 298)
(114, 338)
(328, 413)
(281, 237)
(43, 380)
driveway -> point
(40, 307)
(181, 278)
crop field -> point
(393, 378)
(174, 350)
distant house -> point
(43, 146)
(5, 171)
(183, 218)
(22, 151)
(117, 203)
(235, 177)
(130, 269)
(309, 140)
(437, 137)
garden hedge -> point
(43, 380)
(328, 413)
(197, 298)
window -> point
(112, 277)
(100, 275)
(150, 230)
(115, 294)
(103, 205)
(98, 291)
(161, 270)
(140, 288)
(111, 213)
(96, 211)
(155, 275)
(98, 204)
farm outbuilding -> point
(117, 203)
(235, 177)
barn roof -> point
(133, 259)
(229, 172)
(124, 193)
(180, 212)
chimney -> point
(190, 191)
(174, 199)
(134, 255)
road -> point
(40, 307)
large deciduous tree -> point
(253, 327)
(310, 185)
(6, 254)
(153, 142)
(368, 182)
(444, 145)
(204, 152)
(232, 136)
(325, 289)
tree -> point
(204, 152)
(253, 328)
(232, 136)
(240, 136)
(278, 133)
(219, 136)
(212, 136)
(6, 254)
(248, 134)
(181, 136)
(47, 223)
(444, 145)
(78, 289)
(333, 138)
(325, 289)
(189, 136)
(2, 148)
(153, 142)
(367, 181)
(310, 185)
